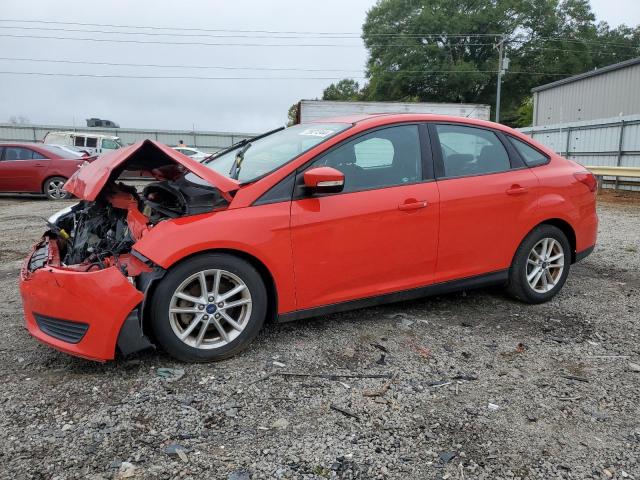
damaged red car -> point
(300, 222)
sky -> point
(214, 103)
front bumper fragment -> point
(101, 300)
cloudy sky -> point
(238, 31)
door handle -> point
(412, 206)
(517, 190)
(39, 165)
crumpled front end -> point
(78, 312)
(83, 286)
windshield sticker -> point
(316, 132)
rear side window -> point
(92, 142)
(79, 142)
(530, 155)
(468, 151)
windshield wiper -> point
(237, 163)
(239, 144)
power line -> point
(275, 32)
(188, 77)
(158, 42)
(347, 35)
(244, 35)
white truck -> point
(311, 110)
(94, 143)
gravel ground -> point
(468, 385)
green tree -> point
(292, 115)
(445, 50)
(346, 89)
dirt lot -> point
(481, 386)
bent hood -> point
(159, 160)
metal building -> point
(612, 91)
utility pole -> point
(501, 70)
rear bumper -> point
(79, 313)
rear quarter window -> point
(531, 156)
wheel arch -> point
(565, 227)
(263, 271)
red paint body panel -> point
(102, 299)
(260, 231)
(481, 225)
(362, 244)
(28, 176)
(332, 248)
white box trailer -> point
(313, 110)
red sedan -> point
(37, 168)
(300, 222)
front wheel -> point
(208, 308)
(540, 266)
(53, 189)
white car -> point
(192, 153)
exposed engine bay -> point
(93, 234)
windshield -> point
(269, 153)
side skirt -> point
(494, 278)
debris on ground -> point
(170, 374)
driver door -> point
(379, 235)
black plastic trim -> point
(493, 278)
(131, 338)
(280, 192)
(583, 254)
(65, 330)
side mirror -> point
(324, 180)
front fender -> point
(261, 232)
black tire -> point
(52, 189)
(160, 321)
(518, 285)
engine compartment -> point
(95, 234)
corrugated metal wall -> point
(606, 142)
(611, 94)
(206, 141)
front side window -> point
(468, 151)
(383, 158)
(530, 155)
(269, 153)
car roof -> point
(85, 134)
(389, 118)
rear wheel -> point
(53, 188)
(209, 308)
(541, 265)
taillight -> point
(588, 179)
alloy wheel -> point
(210, 309)
(545, 265)
(54, 189)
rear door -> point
(486, 196)
(22, 169)
(379, 235)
